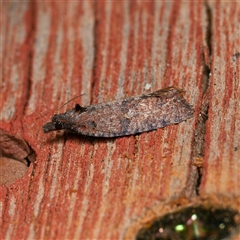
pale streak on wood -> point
(40, 47)
(66, 90)
(85, 203)
(134, 74)
(185, 30)
(124, 49)
(127, 219)
(13, 216)
(104, 52)
(39, 197)
(108, 163)
(32, 232)
(155, 46)
(44, 226)
(55, 163)
(160, 40)
(144, 72)
(37, 204)
(57, 62)
(179, 171)
(175, 59)
(86, 32)
(74, 198)
(12, 42)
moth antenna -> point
(69, 101)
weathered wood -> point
(106, 188)
(221, 164)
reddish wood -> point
(221, 164)
(106, 188)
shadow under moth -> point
(125, 116)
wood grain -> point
(106, 188)
(221, 163)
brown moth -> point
(125, 116)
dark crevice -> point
(199, 179)
(95, 45)
(199, 140)
(198, 145)
(206, 59)
(200, 131)
(205, 79)
(30, 43)
(209, 27)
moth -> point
(125, 116)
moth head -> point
(55, 124)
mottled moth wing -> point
(126, 116)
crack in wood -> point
(209, 26)
(198, 145)
(200, 131)
(199, 141)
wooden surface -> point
(83, 188)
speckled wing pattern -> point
(126, 116)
